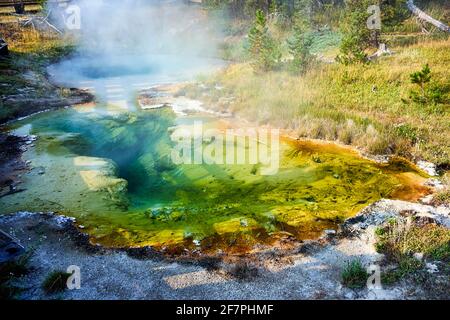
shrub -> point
(300, 48)
(420, 78)
(394, 12)
(406, 265)
(407, 131)
(399, 240)
(354, 274)
(442, 198)
(10, 270)
(56, 281)
(434, 93)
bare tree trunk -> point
(424, 17)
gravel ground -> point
(312, 271)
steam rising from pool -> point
(127, 45)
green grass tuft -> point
(55, 282)
(354, 275)
(12, 270)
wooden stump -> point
(3, 48)
(19, 7)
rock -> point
(244, 223)
(427, 199)
(431, 267)
(379, 212)
(350, 295)
(330, 232)
(425, 218)
(418, 256)
(428, 167)
(435, 183)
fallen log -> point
(9, 247)
(424, 17)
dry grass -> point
(30, 51)
(363, 105)
(27, 40)
(442, 197)
(399, 238)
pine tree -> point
(273, 7)
(301, 42)
(356, 36)
(264, 52)
(421, 78)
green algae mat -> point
(114, 174)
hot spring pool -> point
(113, 173)
(109, 166)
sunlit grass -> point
(30, 52)
(399, 240)
(360, 105)
(354, 275)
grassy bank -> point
(368, 106)
(22, 74)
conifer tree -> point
(264, 52)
